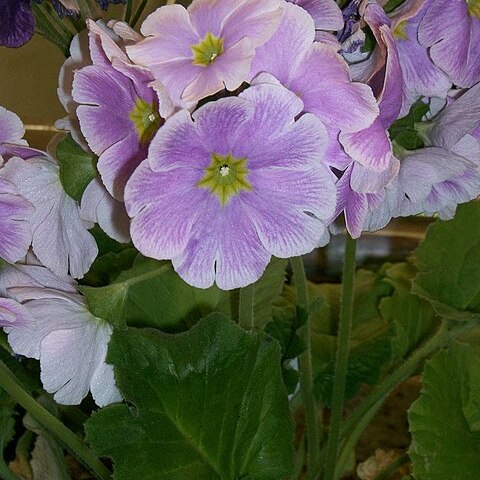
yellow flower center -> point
(207, 50)
(474, 8)
(146, 120)
(226, 176)
(400, 31)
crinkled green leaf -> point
(77, 167)
(449, 265)
(445, 420)
(208, 404)
(412, 318)
(151, 294)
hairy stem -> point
(306, 371)
(341, 362)
(76, 446)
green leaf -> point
(448, 262)
(445, 420)
(365, 365)
(209, 404)
(150, 294)
(403, 131)
(370, 349)
(107, 267)
(7, 423)
(412, 318)
(77, 167)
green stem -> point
(85, 10)
(246, 317)
(53, 30)
(9, 383)
(128, 11)
(306, 370)
(341, 362)
(360, 418)
(393, 467)
(138, 13)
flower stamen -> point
(226, 177)
(207, 50)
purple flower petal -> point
(457, 119)
(453, 36)
(323, 83)
(166, 152)
(98, 206)
(421, 76)
(17, 22)
(325, 13)
(13, 313)
(287, 47)
(61, 240)
(15, 217)
(370, 147)
(175, 209)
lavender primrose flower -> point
(46, 318)
(60, 239)
(199, 51)
(320, 76)
(117, 109)
(421, 77)
(450, 29)
(437, 178)
(246, 182)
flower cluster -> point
(229, 132)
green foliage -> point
(47, 458)
(209, 404)
(449, 265)
(403, 131)
(7, 423)
(392, 5)
(77, 167)
(151, 294)
(370, 347)
(411, 317)
(445, 420)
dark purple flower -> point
(16, 22)
(105, 3)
